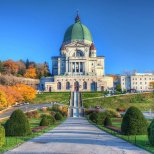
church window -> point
(78, 53)
(84, 85)
(59, 85)
(67, 85)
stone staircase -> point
(76, 107)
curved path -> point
(76, 136)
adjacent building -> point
(138, 82)
(77, 68)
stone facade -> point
(138, 82)
(77, 67)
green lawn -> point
(143, 101)
(12, 142)
(52, 97)
(116, 122)
(138, 140)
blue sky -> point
(122, 30)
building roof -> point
(77, 32)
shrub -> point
(101, 117)
(56, 108)
(50, 118)
(45, 114)
(93, 117)
(64, 110)
(107, 121)
(44, 122)
(33, 114)
(58, 116)
(133, 122)
(151, 133)
(113, 113)
(36, 114)
(2, 136)
(52, 113)
(89, 111)
(17, 125)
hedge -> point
(58, 116)
(151, 132)
(17, 125)
(107, 122)
(134, 122)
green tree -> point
(58, 116)
(134, 122)
(107, 121)
(118, 88)
(151, 133)
(18, 124)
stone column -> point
(71, 67)
(75, 66)
(83, 68)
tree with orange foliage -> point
(22, 67)
(28, 93)
(30, 73)
(10, 67)
(12, 96)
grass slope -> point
(52, 97)
(143, 101)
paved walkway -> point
(76, 136)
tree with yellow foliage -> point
(28, 93)
(3, 101)
(30, 73)
(11, 95)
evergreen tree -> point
(27, 64)
(134, 122)
(18, 124)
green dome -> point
(77, 32)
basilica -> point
(77, 68)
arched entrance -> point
(93, 86)
(76, 86)
(49, 89)
(102, 88)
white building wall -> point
(139, 82)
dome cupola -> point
(77, 32)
